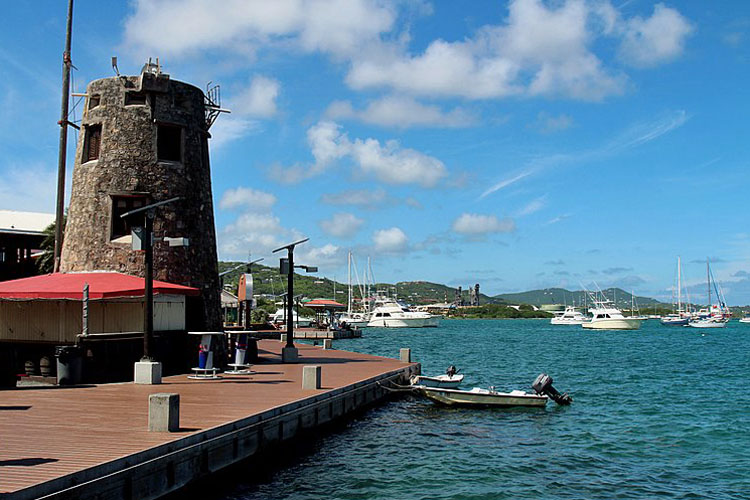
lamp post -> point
(289, 352)
(147, 371)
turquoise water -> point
(661, 412)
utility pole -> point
(60, 210)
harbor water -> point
(661, 412)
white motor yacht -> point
(571, 316)
(355, 319)
(279, 318)
(605, 316)
(391, 314)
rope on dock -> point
(397, 387)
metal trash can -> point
(69, 361)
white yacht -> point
(354, 319)
(279, 318)
(571, 316)
(391, 314)
(605, 316)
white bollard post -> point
(311, 377)
(327, 344)
(405, 355)
(164, 412)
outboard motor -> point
(452, 371)
(543, 386)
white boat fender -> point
(543, 386)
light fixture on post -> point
(148, 371)
(289, 353)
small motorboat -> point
(450, 380)
(490, 398)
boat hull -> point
(442, 381)
(403, 323)
(675, 321)
(452, 397)
(707, 324)
(612, 324)
(560, 321)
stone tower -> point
(144, 139)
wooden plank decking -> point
(47, 433)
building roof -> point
(323, 304)
(24, 222)
(229, 299)
(102, 285)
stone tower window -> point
(94, 101)
(121, 204)
(169, 143)
(135, 98)
(92, 143)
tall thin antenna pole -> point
(60, 211)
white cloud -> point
(230, 128)
(659, 38)
(504, 183)
(395, 165)
(357, 197)
(400, 112)
(257, 100)
(391, 240)
(389, 162)
(180, 28)
(328, 256)
(243, 197)
(532, 206)
(477, 224)
(548, 124)
(342, 225)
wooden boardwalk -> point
(48, 433)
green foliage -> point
(46, 262)
(494, 311)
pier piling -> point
(164, 412)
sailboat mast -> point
(679, 286)
(708, 285)
(349, 303)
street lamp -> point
(148, 371)
(286, 266)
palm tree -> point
(46, 262)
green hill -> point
(563, 296)
(268, 281)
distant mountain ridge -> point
(537, 298)
(268, 281)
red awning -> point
(323, 304)
(104, 285)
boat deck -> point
(49, 433)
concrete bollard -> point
(163, 412)
(147, 373)
(283, 337)
(327, 344)
(311, 377)
(405, 355)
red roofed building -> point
(41, 312)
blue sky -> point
(519, 144)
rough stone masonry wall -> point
(128, 163)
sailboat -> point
(351, 318)
(718, 314)
(680, 318)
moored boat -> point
(444, 381)
(391, 314)
(605, 316)
(490, 398)
(571, 316)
